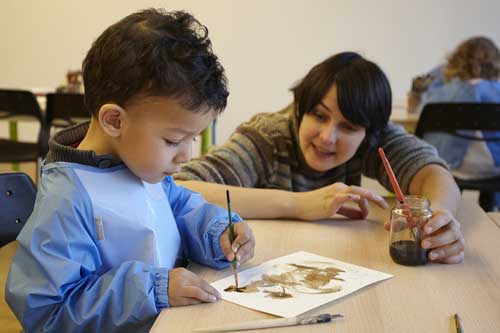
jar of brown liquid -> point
(406, 233)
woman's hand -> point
(327, 201)
(443, 238)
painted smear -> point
(302, 277)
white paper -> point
(354, 277)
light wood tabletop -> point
(400, 115)
(416, 299)
(495, 217)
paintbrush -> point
(234, 263)
(399, 193)
(458, 325)
(279, 322)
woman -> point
(306, 160)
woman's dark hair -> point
(363, 91)
(154, 53)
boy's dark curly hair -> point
(154, 53)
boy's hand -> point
(243, 245)
(187, 288)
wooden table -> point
(495, 217)
(416, 299)
(400, 115)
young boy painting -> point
(103, 248)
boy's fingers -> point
(207, 287)
(183, 301)
(246, 251)
(226, 246)
(198, 293)
(243, 235)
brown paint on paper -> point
(311, 277)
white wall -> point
(265, 45)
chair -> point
(453, 117)
(63, 110)
(17, 198)
(17, 105)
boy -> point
(100, 250)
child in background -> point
(102, 248)
(471, 74)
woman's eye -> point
(319, 116)
(349, 128)
(171, 143)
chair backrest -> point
(15, 103)
(453, 117)
(65, 109)
(17, 198)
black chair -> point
(63, 110)
(451, 118)
(17, 198)
(18, 105)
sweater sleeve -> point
(244, 160)
(57, 281)
(406, 153)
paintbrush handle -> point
(252, 325)
(268, 323)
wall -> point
(265, 45)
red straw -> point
(395, 186)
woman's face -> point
(326, 138)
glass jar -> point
(406, 236)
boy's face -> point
(156, 135)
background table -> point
(416, 299)
(400, 115)
(495, 217)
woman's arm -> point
(256, 203)
(250, 203)
(436, 184)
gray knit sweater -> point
(264, 153)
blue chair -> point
(17, 199)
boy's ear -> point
(111, 119)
